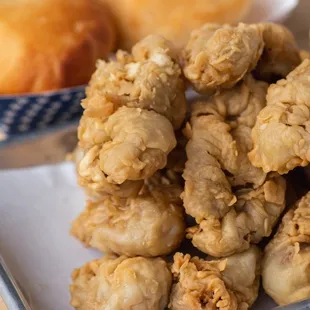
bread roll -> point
(173, 19)
(51, 44)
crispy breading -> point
(234, 203)
(286, 263)
(251, 218)
(149, 79)
(95, 182)
(217, 134)
(121, 283)
(132, 107)
(228, 284)
(281, 135)
(151, 224)
(218, 56)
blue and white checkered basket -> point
(27, 113)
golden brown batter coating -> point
(219, 140)
(149, 78)
(132, 107)
(137, 145)
(286, 264)
(251, 218)
(218, 56)
(121, 283)
(281, 135)
(233, 202)
(228, 284)
(151, 224)
(95, 182)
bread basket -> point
(21, 114)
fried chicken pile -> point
(157, 169)
(234, 203)
(286, 265)
(121, 283)
(200, 284)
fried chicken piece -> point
(281, 135)
(138, 145)
(218, 56)
(234, 203)
(228, 284)
(281, 54)
(251, 218)
(151, 224)
(219, 139)
(286, 264)
(134, 145)
(149, 79)
(91, 177)
(132, 107)
(121, 283)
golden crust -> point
(227, 284)
(233, 202)
(95, 182)
(45, 48)
(281, 134)
(219, 138)
(121, 283)
(218, 56)
(151, 224)
(132, 107)
(149, 78)
(135, 144)
(286, 262)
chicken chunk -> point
(121, 283)
(137, 144)
(132, 107)
(234, 203)
(281, 135)
(151, 224)
(251, 218)
(228, 284)
(286, 264)
(219, 139)
(149, 79)
(281, 54)
(218, 56)
(94, 181)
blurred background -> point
(50, 47)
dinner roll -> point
(51, 44)
(173, 19)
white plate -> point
(36, 208)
